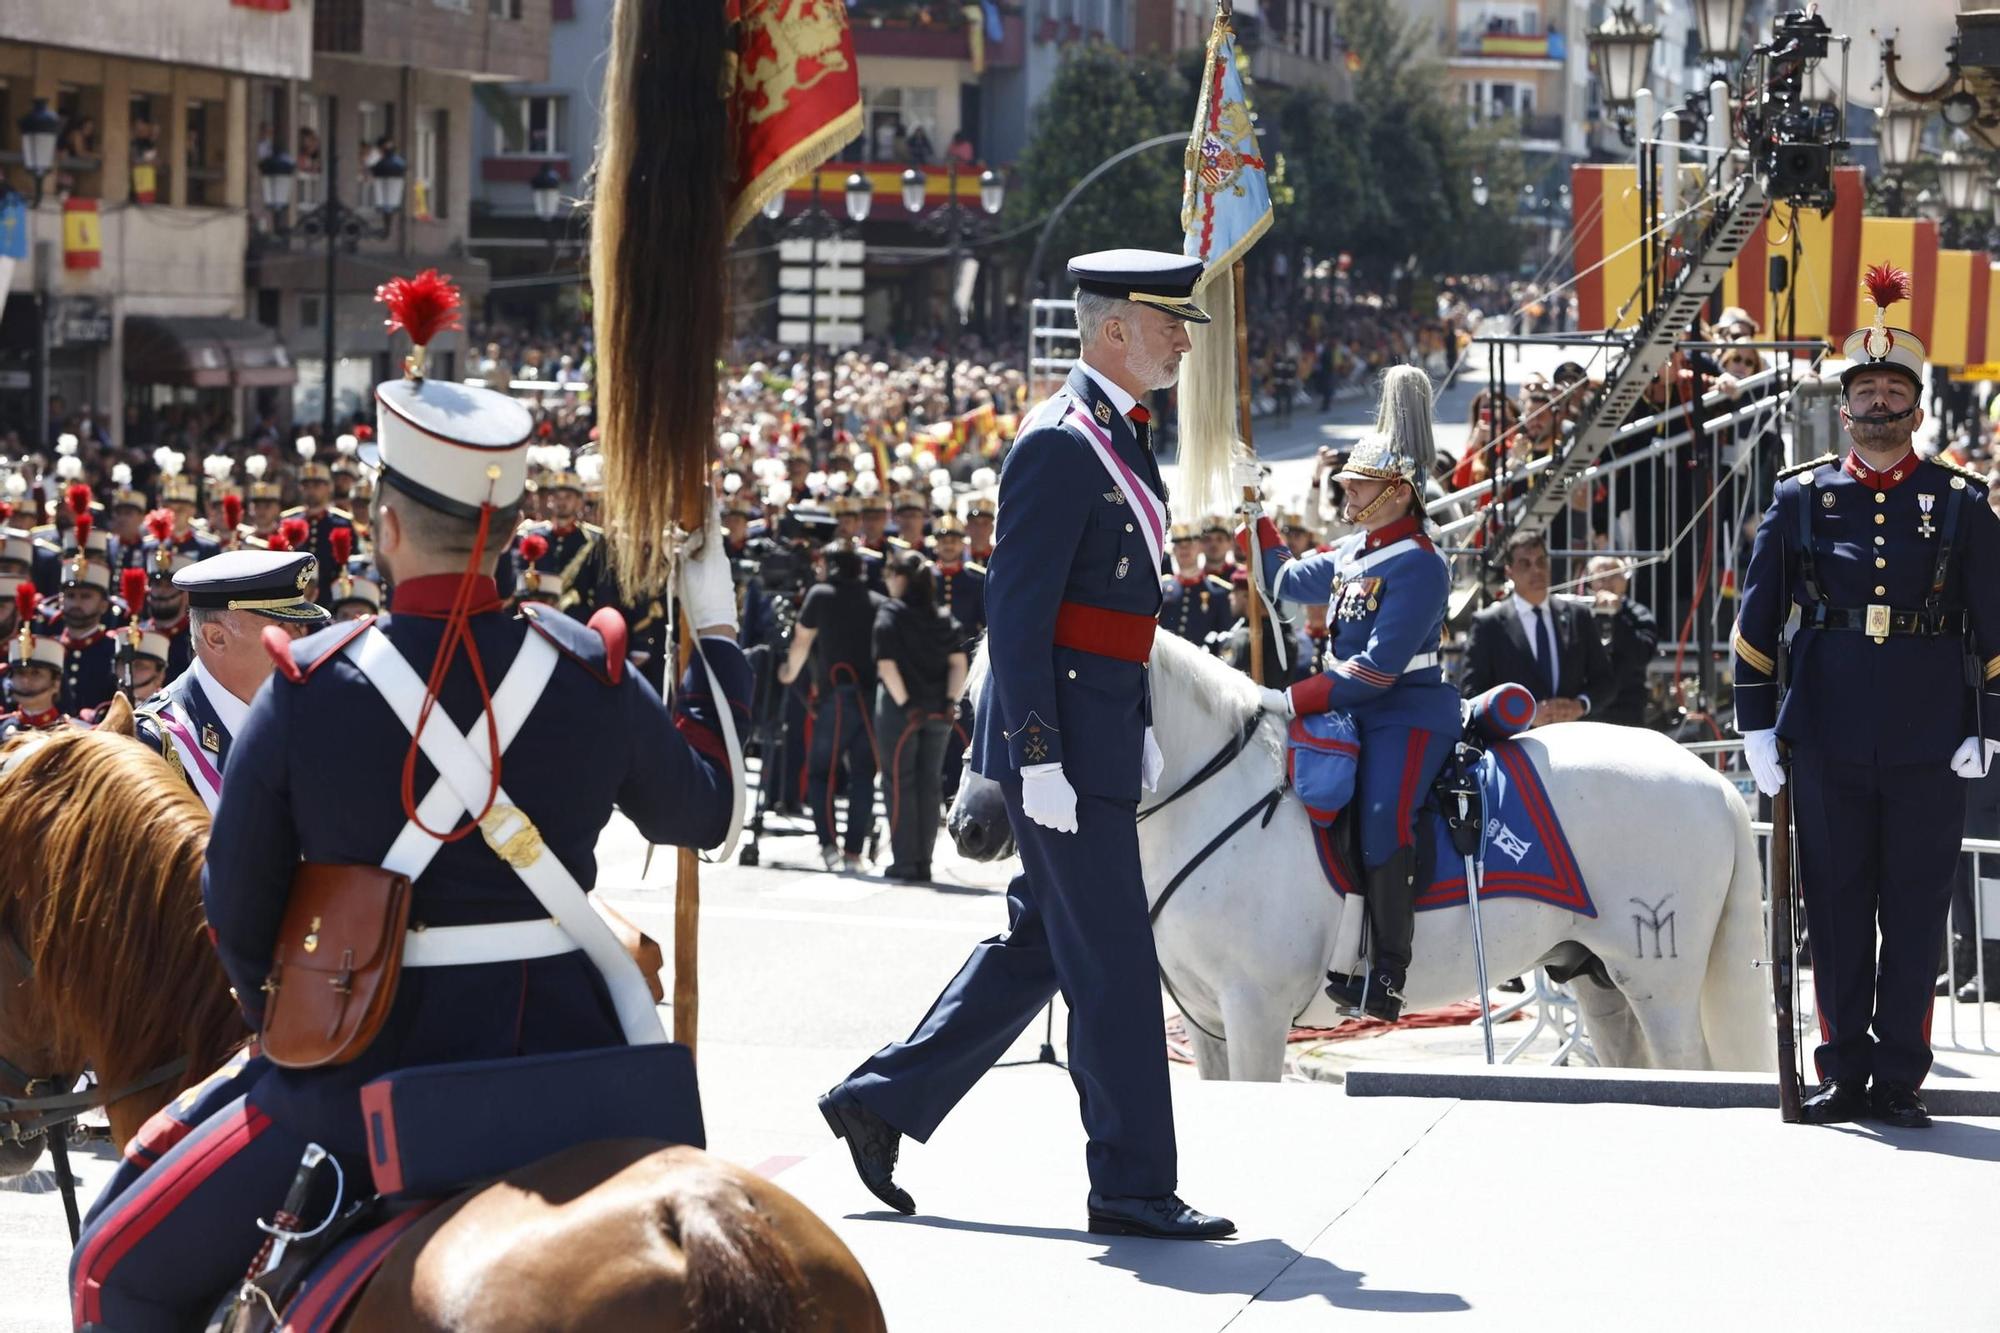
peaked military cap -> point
(1151, 277)
(278, 584)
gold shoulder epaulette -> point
(974, 567)
(296, 511)
(340, 513)
(1956, 469)
(1806, 466)
(592, 529)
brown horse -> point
(105, 964)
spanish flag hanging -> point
(83, 235)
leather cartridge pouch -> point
(333, 975)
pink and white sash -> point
(202, 774)
(1152, 510)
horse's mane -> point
(101, 848)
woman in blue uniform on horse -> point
(1386, 589)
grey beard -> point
(1152, 373)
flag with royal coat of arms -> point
(1225, 197)
(795, 94)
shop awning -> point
(205, 353)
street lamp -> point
(389, 172)
(277, 175)
(1720, 25)
(954, 219)
(1955, 181)
(1480, 194)
(860, 193)
(39, 129)
(774, 207)
(1622, 52)
(546, 191)
(1899, 132)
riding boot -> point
(1391, 893)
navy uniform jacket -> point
(577, 553)
(90, 670)
(319, 540)
(13, 724)
(1196, 607)
(1065, 533)
(46, 571)
(187, 701)
(314, 775)
(1906, 699)
(964, 591)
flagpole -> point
(1249, 492)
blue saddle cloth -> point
(1523, 855)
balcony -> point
(1286, 68)
(182, 260)
(1486, 43)
(1536, 130)
(460, 37)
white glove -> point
(1151, 763)
(1047, 798)
(708, 594)
(1974, 757)
(1277, 701)
(1760, 747)
(1245, 475)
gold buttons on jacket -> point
(1881, 518)
(1072, 673)
(1880, 563)
(1881, 497)
(1879, 590)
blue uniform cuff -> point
(1034, 742)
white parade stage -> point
(1400, 1212)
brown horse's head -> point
(104, 956)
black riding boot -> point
(1391, 893)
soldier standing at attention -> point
(1894, 564)
(1196, 604)
(1063, 727)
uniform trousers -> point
(1878, 845)
(1077, 924)
(1398, 764)
(842, 760)
(166, 1244)
(912, 741)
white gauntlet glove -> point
(1047, 798)
(1277, 701)
(1151, 763)
(1974, 757)
(1760, 747)
(707, 593)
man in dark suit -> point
(1535, 640)
(1630, 635)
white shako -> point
(458, 448)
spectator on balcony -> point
(889, 139)
(919, 147)
(962, 150)
(308, 158)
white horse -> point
(1659, 838)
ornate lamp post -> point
(1621, 53)
(954, 219)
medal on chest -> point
(1924, 505)
(1357, 598)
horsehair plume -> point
(661, 192)
(341, 542)
(346, 445)
(1404, 415)
(1206, 402)
(296, 533)
(307, 446)
(106, 898)
(68, 467)
(121, 476)
(160, 523)
(66, 445)
(256, 465)
(590, 469)
(1886, 284)
(423, 306)
(534, 546)
(168, 461)
(218, 467)
(17, 485)
(27, 602)
(232, 510)
(76, 498)
(132, 586)
(84, 523)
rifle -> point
(1784, 949)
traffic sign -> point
(798, 305)
(829, 252)
(830, 279)
(830, 335)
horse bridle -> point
(31, 1114)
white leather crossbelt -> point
(499, 942)
(1422, 662)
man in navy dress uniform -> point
(1889, 707)
(1063, 727)
(232, 597)
(319, 516)
(90, 654)
(1195, 603)
(314, 775)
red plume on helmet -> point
(533, 547)
(160, 523)
(232, 509)
(132, 587)
(1886, 284)
(77, 496)
(423, 307)
(342, 542)
(84, 522)
(26, 602)
(277, 541)
(364, 433)
(296, 533)
(6, 510)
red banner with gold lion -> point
(795, 98)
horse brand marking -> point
(1506, 840)
(1653, 917)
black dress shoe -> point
(908, 874)
(1900, 1107)
(872, 1142)
(1161, 1216)
(1836, 1101)
(1383, 992)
